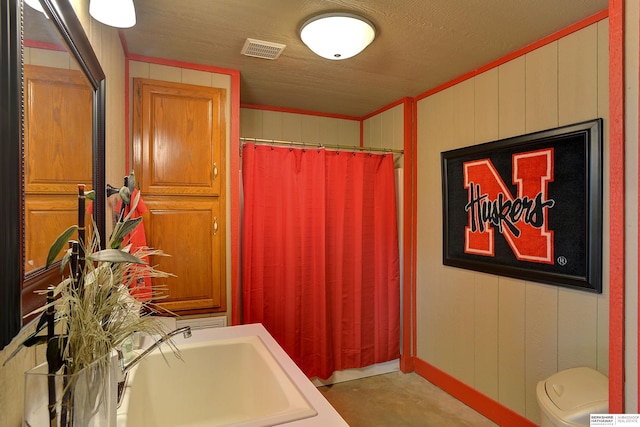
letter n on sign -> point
(528, 207)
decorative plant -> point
(91, 312)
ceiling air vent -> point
(262, 49)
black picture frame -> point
(528, 207)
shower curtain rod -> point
(317, 145)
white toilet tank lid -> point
(579, 388)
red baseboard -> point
(406, 364)
(471, 397)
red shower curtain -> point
(320, 263)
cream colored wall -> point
(201, 78)
(106, 43)
(496, 334)
(49, 58)
(386, 130)
(12, 380)
(298, 127)
(109, 50)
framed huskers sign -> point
(528, 207)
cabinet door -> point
(58, 107)
(190, 231)
(45, 217)
(179, 132)
(57, 130)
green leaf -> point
(131, 183)
(129, 225)
(133, 206)
(91, 195)
(65, 260)
(60, 243)
(115, 256)
(125, 195)
(122, 229)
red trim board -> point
(616, 206)
(414, 222)
(488, 407)
(533, 46)
(386, 107)
(181, 64)
(408, 300)
(638, 248)
(295, 111)
(45, 45)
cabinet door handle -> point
(215, 225)
(215, 171)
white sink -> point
(231, 376)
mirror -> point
(17, 289)
(56, 138)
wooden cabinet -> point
(189, 229)
(179, 134)
(57, 152)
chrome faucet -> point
(185, 331)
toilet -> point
(569, 397)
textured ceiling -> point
(420, 44)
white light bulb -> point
(115, 13)
(35, 4)
(337, 36)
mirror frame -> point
(13, 285)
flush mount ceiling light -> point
(337, 35)
(35, 4)
(115, 13)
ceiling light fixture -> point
(35, 4)
(115, 13)
(337, 35)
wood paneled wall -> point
(386, 130)
(500, 335)
(266, 124)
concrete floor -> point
(399, 400)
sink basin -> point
(234, 381)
